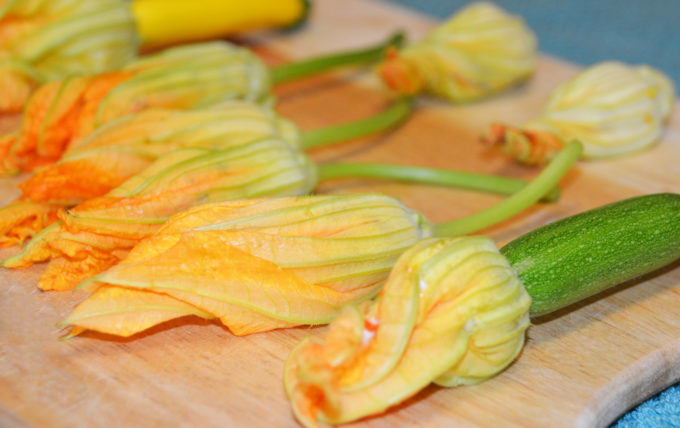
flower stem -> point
(382, 121)
(295, 70)
(514, 204)
(439, 177)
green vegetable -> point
(579, 256)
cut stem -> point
(519, 201)
(438, 177)
(296, 70)
(382, 121)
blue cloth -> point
(662, 410)
(590, 31)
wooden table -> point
(581, 367)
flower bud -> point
(479, 51)
(261, 264)
(107, 226)
(186, 77)
(452, 312)
(45, 40)
(611, 107)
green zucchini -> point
(576, 257)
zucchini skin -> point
(578, 256)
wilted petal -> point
(20, 221)
(57, 241)
(7, 165)
(62, 273)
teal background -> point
(586, 32)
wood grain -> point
(581, 367)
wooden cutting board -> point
(581, 367)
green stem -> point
(382, 121)
(295, 70)
(516, 203)
(439, 177)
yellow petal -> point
(259, 264)
(204, 270)
(124, 312)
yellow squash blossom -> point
(257, 264)
(62, 112)
(98, 232)
(45, 40)
(345, 244)
(185, 77)
(93, 165)
(476, 53)
(612, 108)
(124, 147)
(120, 149)
(452, 312)
(101, 230)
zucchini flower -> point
(122, 148)
(186, 77)
(612, 108)
(263, 263)
(478, 52)
(45, 40)
(62, 112)
(310, 256)
(104, 228)
(452, 312)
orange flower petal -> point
(65, 274)
(124, 312)
(202, 269)
(72, 182)
(21, 220)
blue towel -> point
(662, 410)
(586, 32)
